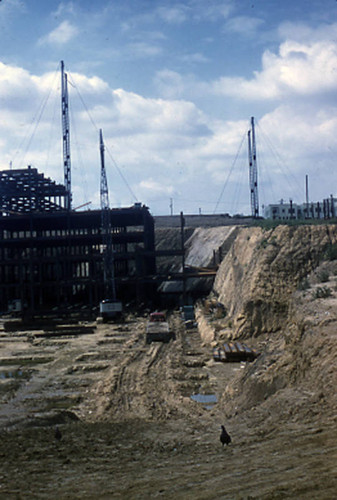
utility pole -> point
(307, 195)
(254, 199)
(182, 229)
(332, 207)
(66, 136)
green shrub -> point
(323, 276)
(304, 284)
(322, 292)
(331, 252)
(263, 243)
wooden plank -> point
(227, 349)
(240, 347)
(222, 355)
(233, 347)
(216, 354)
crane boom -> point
(104, 183)
(108, 260)
(66, 136)
(254, 199)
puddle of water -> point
(25, 361)
(207, 399)
(12, 374)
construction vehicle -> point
(15, 306)
(110, 309)
(158, 329)
(188, 316)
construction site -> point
(225, 325)
(52, 258)
(55, 258)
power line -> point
(121, 174)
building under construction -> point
(51, 257)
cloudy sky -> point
(173, 85)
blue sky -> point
(173, 85)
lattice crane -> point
(66, 136)
(254, 198)
(110, 307)
(109, 280)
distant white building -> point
(281, 211)
(285, 211)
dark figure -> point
(58, 434)
(224, 436)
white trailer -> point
(110, 309)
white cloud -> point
(9, 7)
(196, 57)
(143, 49)
(244, 25)
(301, 131)
(60, 35)
(133, 112)
(183, 12)
(150, 137)
(17, 89)
(174, 85)
(303, 33)
(167, 146)
(300, 69)
(64, 8)
(217, 9)
(173, 15)
(153, 188)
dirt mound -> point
(279, 289)
(258, 275)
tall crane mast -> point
(108, 260)
(254, 198)
(66, 135)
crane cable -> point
(36, 119)
(107, 149)
(230, 173)
(280, 162)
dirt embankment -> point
(263, 268)
(278, 289)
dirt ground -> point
(130, 428)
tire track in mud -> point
(153, 382)
(143, 451)
(131, 389)
(56, 391)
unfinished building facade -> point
(51, 258)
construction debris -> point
(234, 352)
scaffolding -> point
(26, 191)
